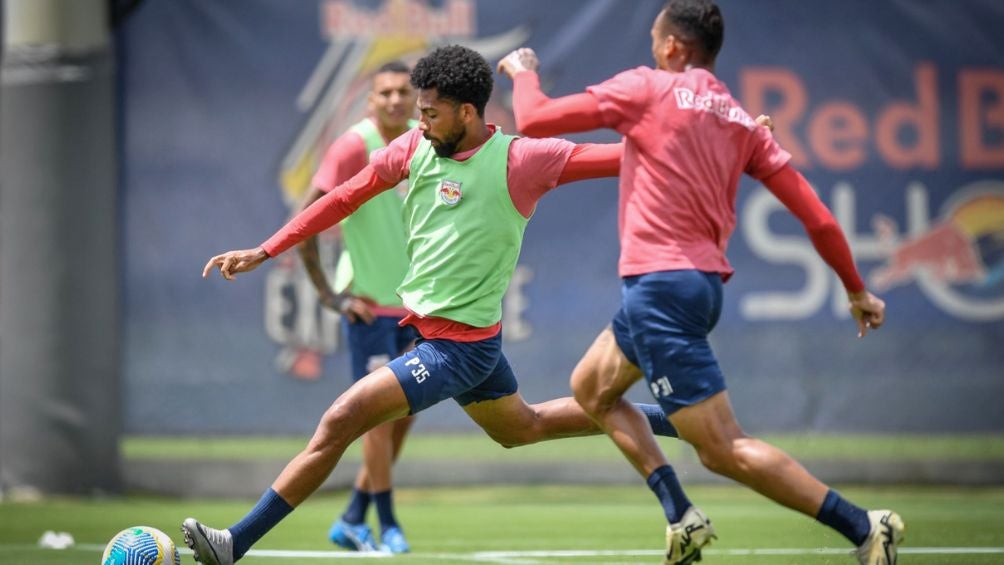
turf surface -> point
(594, 524)
(477, 446)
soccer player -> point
(471, 191)
(371, 309)
(686, 143)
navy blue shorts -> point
(372, 346)
(437, 369)
(663, 326)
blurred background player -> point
(471, 192)
(686, 144)
(375, 262)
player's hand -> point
(764, 120)
(352, 307)
(868, 311)
(522, 59)
(233, 262)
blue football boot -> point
(354, 537)
(392, 541)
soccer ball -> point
(141, 545)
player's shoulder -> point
(350, 139)
(640, 73)
(529, 146)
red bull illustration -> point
(959, 262)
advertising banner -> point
(894, 111)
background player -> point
(375, 237)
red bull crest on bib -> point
(449, 192)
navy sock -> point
(657, 419)
(668, 490)
(358, 505)
(848, 519)
(269, 511)
(385, 509)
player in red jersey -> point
(686, 143)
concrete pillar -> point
(59, 317)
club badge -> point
(449, 192)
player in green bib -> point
(471, 190)
(370, 268)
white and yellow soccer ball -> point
(141, 545)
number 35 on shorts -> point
(661, 387)
(419, 372)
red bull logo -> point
(959, 261)
(449, 192)
(402, 18)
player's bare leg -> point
(512, 422)
(375, 399)
(711, 427)
(372, 400)
(373, 479)
(401, 428)
(599, 382)
(381, 446)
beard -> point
(448, 146)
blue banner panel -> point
(894, 111)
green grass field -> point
(477, 446)
(538, 525)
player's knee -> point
(730, 458)
(339, 425)
(716, 460)
(748, 455)
(586, 401)
(594, 403)
(584, 392)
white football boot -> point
(882, 543)
(685, 539)
(211, 546)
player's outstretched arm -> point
(791, 188)
(233, 262)
(536, 114)
(326, 212)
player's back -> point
(687, 141)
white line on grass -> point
(527, 557)
(532, 557)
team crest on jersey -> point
(449, 192)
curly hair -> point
(457, 73)
(699, 21)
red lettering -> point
(755, 83)
(838, 132)
(398, 17)
(977, 113)
(922, 117)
